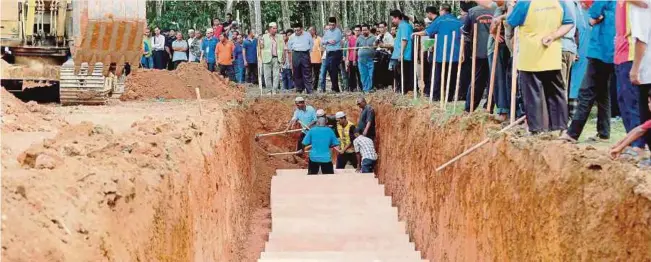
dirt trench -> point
(196, 188)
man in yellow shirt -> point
(541, 24)
(315, 57)
(224, 52)
(346, 135)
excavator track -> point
(88, 89)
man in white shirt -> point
(158, 48)
(640, 73)
(190, 40)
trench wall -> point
(512, 200)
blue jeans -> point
(147, 62)
(627, 98)
(322, 75)
(366, 73)
(502, 84)
(368, 165)
(211, 67)
(287, 79)
(239, 73)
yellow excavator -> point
(83, 46)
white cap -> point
(209, 30)
(299, 99)
(340, 115)
(320, 112)
(191, 31)
(273, 24)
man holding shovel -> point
(306, 116)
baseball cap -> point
(299, 99)
(340, 115)
(320, 112)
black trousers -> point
(302, 71)
(227, 71)
(482, 77)
(333, 60)
(595, 87)
(436, 93)
(160, 60)
(543, 95)
(354, 80)
(345, 158)
(466, 72)
(316, 70)
(252, 74)
(408, 68)
(326, 168)
(299, 143)
(645, 110)
(177, 63)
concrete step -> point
(341, 200)
(355, 186)
(329, 260)
(340, 243)
(333, 212)
(303, 172)
(306, 226)
(345, 256)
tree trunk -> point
(286, 14)
(229, 7)
(259, 28)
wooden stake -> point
(445, 51)
(493, 68)
(474, 64)
(431, 83)
(196, 90)
(514, 73)
(415, 60)
(279, 133)
(259, 54)
(422, 66)
(402, 69)
(456, 86)
(447, 83)
(475, 147)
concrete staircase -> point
(342, 217)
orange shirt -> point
(225, 53)
(315, 55)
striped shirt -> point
(365, 147)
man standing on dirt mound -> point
(322, 139)
(306, 116)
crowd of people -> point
(568, 55)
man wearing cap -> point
(301, 43)
(332, 43)
(322, 139)
(366, 119)
(331, 121)
(272, 46)
(208, 46)
(366, 154)
(346, 134)
(306, 116)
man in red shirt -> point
(351, 61)
(217, 27)
(633, 135)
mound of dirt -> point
(180, 84)
(27, 117)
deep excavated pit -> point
(177, 186)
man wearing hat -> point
(301, 43)
(306, 116)
(331, 120)
(208, 46)
(332, 43)
(272, 46)
(346, 134)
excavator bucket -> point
(110, 33)
(107, 36)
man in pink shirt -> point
(351, 61)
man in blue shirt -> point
(306, 116)
(251, 57)
(481, 16)
(208, 46)
(331, 41)
(443, 26)
(403, 52)
(596, 83)
(321, 138)
(300, 44)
